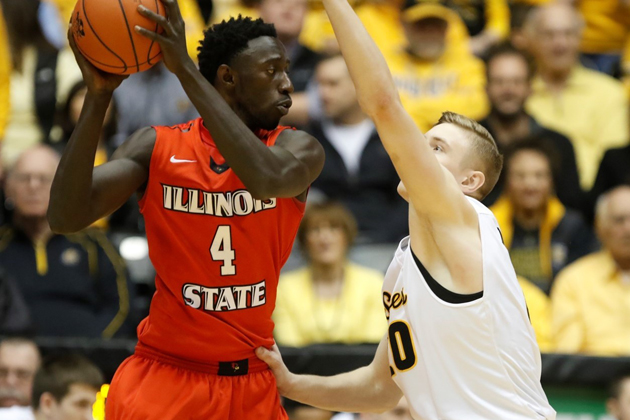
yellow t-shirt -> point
(356, 316)
(456, 82)
(592, 111)
(539, 308)
(607, 25)
(590, 304)
(5, 77)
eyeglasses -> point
(22, 375)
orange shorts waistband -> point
(226, 368)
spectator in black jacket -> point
(358, 171)
(75, 285)
(509, 75)
(14, 315)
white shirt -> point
(16, 413)
(349, 141)
(476, 360)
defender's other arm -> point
(430, 190)
(368, 389)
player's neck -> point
(35, 228)
(529, 219)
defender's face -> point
(262, 85)
(529, 180)
(508, 84)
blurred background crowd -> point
(549, 79)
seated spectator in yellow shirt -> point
(541, 235)
(331, 300)
(436, 71)
(618, 403)
(606, 31)
(591, 297)
(539, 309)
(587, 106)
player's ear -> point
(473, 181)
(225, 75)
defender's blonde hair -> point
(483, 150)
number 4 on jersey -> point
(221, 250)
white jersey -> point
(459, 357)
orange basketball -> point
(104, 33)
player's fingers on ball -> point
(159, 19)
(149, 34)
(172, 9)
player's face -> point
(18, 364)
(620, 408)
(28, 184)
(508, 84)
(326, 243)
(614, 226)
(427, 37)
(529, 181)
(76, 405)
(335, 88)
(262, 85)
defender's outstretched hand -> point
(172, 40)
(273, 358)
(98, 82)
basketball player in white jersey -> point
(460, 345)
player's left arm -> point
(284, 170)
(432, 189)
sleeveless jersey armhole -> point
(442, 292)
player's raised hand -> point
(172, 40)
(98, 82)
(273, 358)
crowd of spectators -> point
(550, 79)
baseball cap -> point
(415, 10)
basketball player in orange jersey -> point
(222, 197)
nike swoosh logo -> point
(174, 160)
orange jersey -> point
(216, 250)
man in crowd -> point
(65, 388)
(509, 76)
(76, 284)
(19, 360)
(541, 234)
(614, 170)
(436, 70)
(590, 297)
(588, 106)
(357, 170)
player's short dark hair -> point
(57, 374)
(536, 144)
(223, 41)
(332, 212)
(509, 49)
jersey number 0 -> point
(401, 346)
(221, 250)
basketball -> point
(104, 33)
